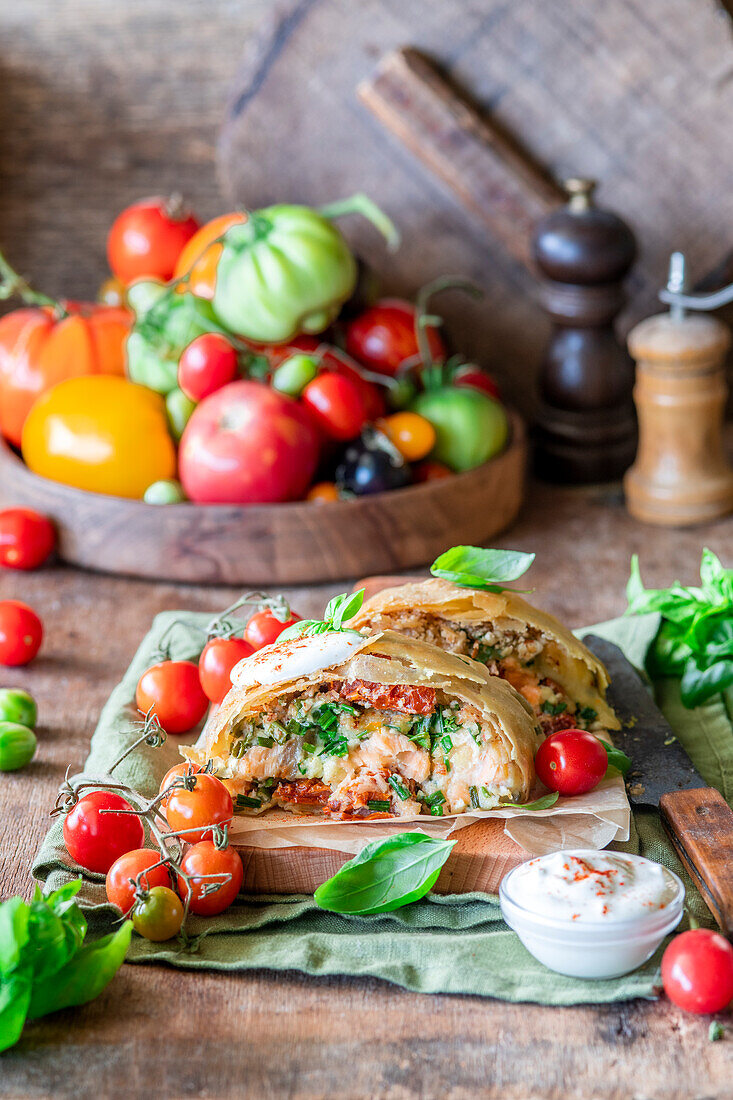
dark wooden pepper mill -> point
(586, 422)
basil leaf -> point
(476, 567)
(616, 758)
(669, 653)
(676, 603)
(300, 629)
(698, 684)
(343, 608)
(15, 996)
(84, 976)
(717, 582)
(385, 875)
(13, 933)
(542, 803)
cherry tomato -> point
(412, 434)
(219, 657)
(336, 405)
(173, 690)
(147, 238)
(184, 768)
(476, 379)
(430, 471)
(208, 363)
(209, 803)
(26, 538)
(94, 839)
(206, 859)
(322, 492)
(158, 915)
(571, 762)
(264, 628)
(21, 633)
(383, 336)
(697, 971)
(120, 890)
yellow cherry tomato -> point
(100, 433)
(322, 491)
(412, 435)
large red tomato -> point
(247, 444)
(38, 349)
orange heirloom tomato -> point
(38, 350)
(102, 434)
(199, 257)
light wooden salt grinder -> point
(681, 475)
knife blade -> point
(696, 817)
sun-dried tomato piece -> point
(409, 700)
(305, 792)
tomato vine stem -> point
(12, 285)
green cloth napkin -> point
(455, 944)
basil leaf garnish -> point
(616, 758)
(542, 803)
(476, 567)
(385, 875)
(339, 611)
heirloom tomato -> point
(384, 336)
(193, 812)
(105, 435)
(26, 538)
(208, 866)
(248, 444)
(120, 890)
(470, 427)
(21, 633)
(99, 829)
(146, 238)
(172, 691)
(38, 349)
(219, 657)
(201, 253)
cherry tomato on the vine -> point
(219, 657)
(571, 762)
(208, 363)
(336, 405)
(26, 538)
(147, 238)
(383, 336)
(95, 839)
(190, 812)
(21, 633)
(477, 379)
(697, 971)
(120, 888)
(173, 691)
(206, 859)
(412, 434)
(158, 915)
(264, 628)
(186, 767)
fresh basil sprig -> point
(45, 964)
(475, 567)
(339, 610)
(616, 758)
(385, 875)
(695, 640)
(542, 803)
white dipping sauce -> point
(592, 886)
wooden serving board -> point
(275, 544)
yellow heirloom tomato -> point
(100, 433)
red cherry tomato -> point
(206, 859)
(26, 538)
(189, 812)
(184, 768)
(336, 405)
(173, 691)
(477, 379)
(697, 971)
(21, 633)
(264, 628)
(430, 471)
(323, 492)
(94, 839)
(208, 363)
(120, 890)
(219, 657)
(571, 762)
(383, 336)
(147, 238)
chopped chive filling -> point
(486, 652)
(553, 708)
(436, 811)
(474, 797)
(379, 806)
(587, 714)
(399, 788)
(266, 742)
(436, 799)
(308, 748)
(446, 743)
(244, 800)
(239, 748)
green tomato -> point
(17, 746)
(165, 323)
(166, 491)
(294, 374)
(287, 269)
(158, 915)
(18, 706)
(178, 408)
(470, 427)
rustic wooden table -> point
(287, 1035)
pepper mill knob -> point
(681, 475)
(586, 425)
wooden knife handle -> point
(700, 825)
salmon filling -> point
(357, 750)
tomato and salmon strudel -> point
(356, 727)
(561, 679)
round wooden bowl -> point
(266, 544)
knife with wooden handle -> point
(696, 817)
